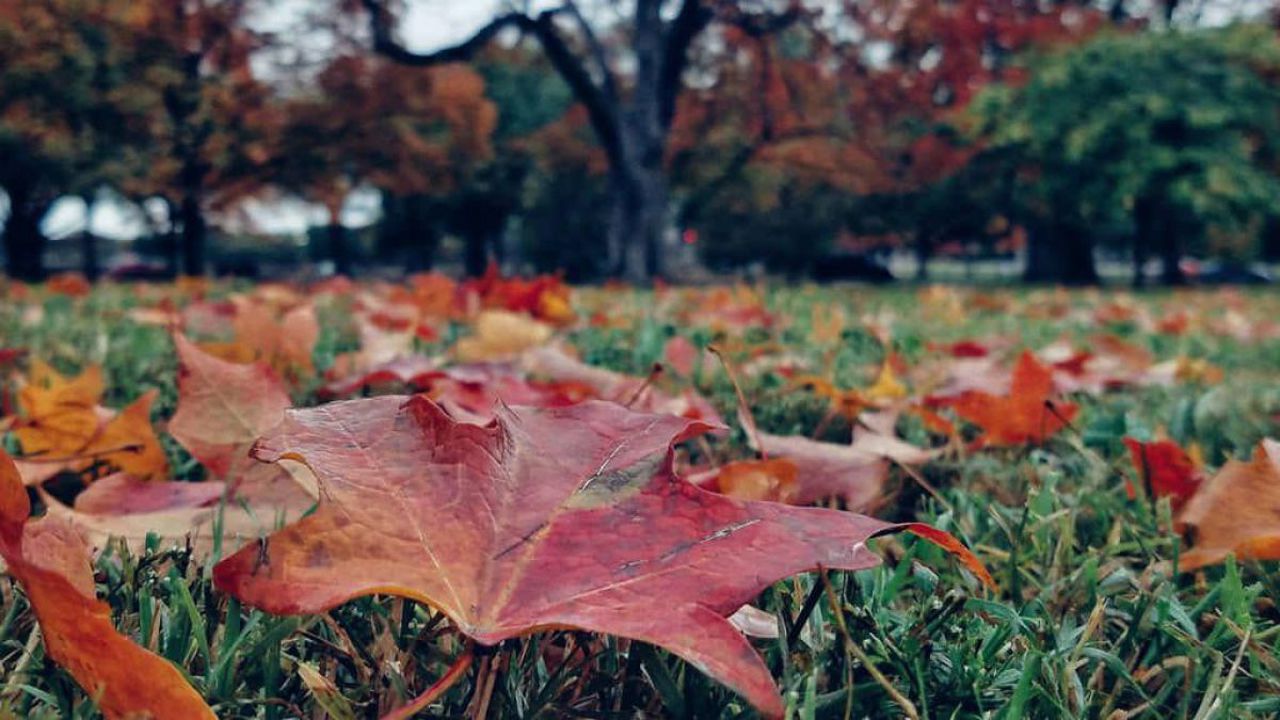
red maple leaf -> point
(542, 518)
(1165, 469)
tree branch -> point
(602, 110)
(600, 104)
(385, 44)
(608, 83)
(692, 19)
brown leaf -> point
(1236, 511)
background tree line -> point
(585, 138)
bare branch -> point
(384, 42)
(598, 53)
(692, 19)
(602, 109)
(600, 103)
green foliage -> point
(1186, 124)
(562, 228)
(767, 216)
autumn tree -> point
(912, 70)
(210, 119)
(55, 115)
(629, 89)
(762, 158)
(408, 132)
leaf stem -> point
(431, 694)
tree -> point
(631, 119)
(408, 132)
(209, 119)
(909, 98)
(762, 158)
(1184, 156)
(51, 95)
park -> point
(647, 358)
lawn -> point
(1091, 614)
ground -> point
(1090, 617)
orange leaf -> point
(1236, 511)
(49, 559)
(1024, 415)
(129, 443)
(60, 416)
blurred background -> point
(1062, 141)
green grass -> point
(1089, 621)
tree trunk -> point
(194, 230)
(639, 186)
(637, 222)
(1060, 253)
(339, 252)
(476, 257)
(1144, 227)
(24, 243)
(924, 248)
(1170, 256)
(89, 263)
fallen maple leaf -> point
(1165, 469)
(554, 364)
(855, 472)
(285, 344)
(223, 407)
(772, 479)
(680, 355)
(59, 416)
(49, 559)
(500, 334)
(128, 443)
(1236, 511)
(1024, 415)
(408, 371)
(121, 494)
(567, 517)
